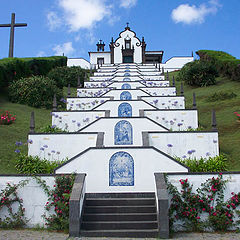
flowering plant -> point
(205, 208)
(7, 118)
(59, 201)
(238, 115)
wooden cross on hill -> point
(12, 25)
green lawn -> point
(18, 131)
(229, 129)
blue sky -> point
(74, 26)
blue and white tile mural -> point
(125, 110)
(123, 134)
(126, 86)
(121, 169)
(127, 74)
(126, 96)
(126, 79)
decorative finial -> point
(127, 24)
(214, 121)
(173, 81)
(69, 90)
(182, 90)
(54, 103)
(167, 76)
(32, 123)
(78, 81)
(194, 101)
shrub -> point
(51, 129)
(12, 69)
(212, 164)
(67, 75)
(7, 118)
(34, 165)
(58, 201)
(218, 96)
(192, 208)
(35, 91)
(226, 64)
(198, 73)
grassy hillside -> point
(229, 129)
(18, 131)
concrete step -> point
(147, 233)
(120, 209)
(119, 225)
(121, 195)
(119, 201)
(120, 217)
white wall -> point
(116, 93)
(85, 103)
(95, 55)
(113, 107)
(153, 77)
(176, 63)
(163, 91)
(92, 92)
(64, 145)
(163, 102)
(107, 126)
(156, 83)
(73, 121)
(171, 118)
(201, 142)
(146, 163)
(137, 58)
(34, 198)
(134, 85)
(103, 78)
(96, 84)
(78, 62)
(132, 78)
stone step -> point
(119, 201)
(147, 233)
(120, 217)
(119, 225)
(121, 195)
(120, 209)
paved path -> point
(46, 235)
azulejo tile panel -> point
(123, 133)
(121, 169)
(125, 110)
(126, 86)
(125, 96)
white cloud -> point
(65, 48)
(41, 54)
(91, 38)
(128, 3)
(194, 14)
(54, 21)
(80, 14)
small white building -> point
(128, 48)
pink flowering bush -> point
(7, 118)
(208, 200)
(238, 115)
(59, 201)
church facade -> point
(127, 48)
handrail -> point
(76, 205)
(163, 205)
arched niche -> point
(124, 110)
(123, 133)
(126, 95)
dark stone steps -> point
(146, 233)
(121, 195)
(120, 209)
(119, 225)
(120, 217)
(119, 201)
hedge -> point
(226, 64)
(12, 69)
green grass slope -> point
(229, 128)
